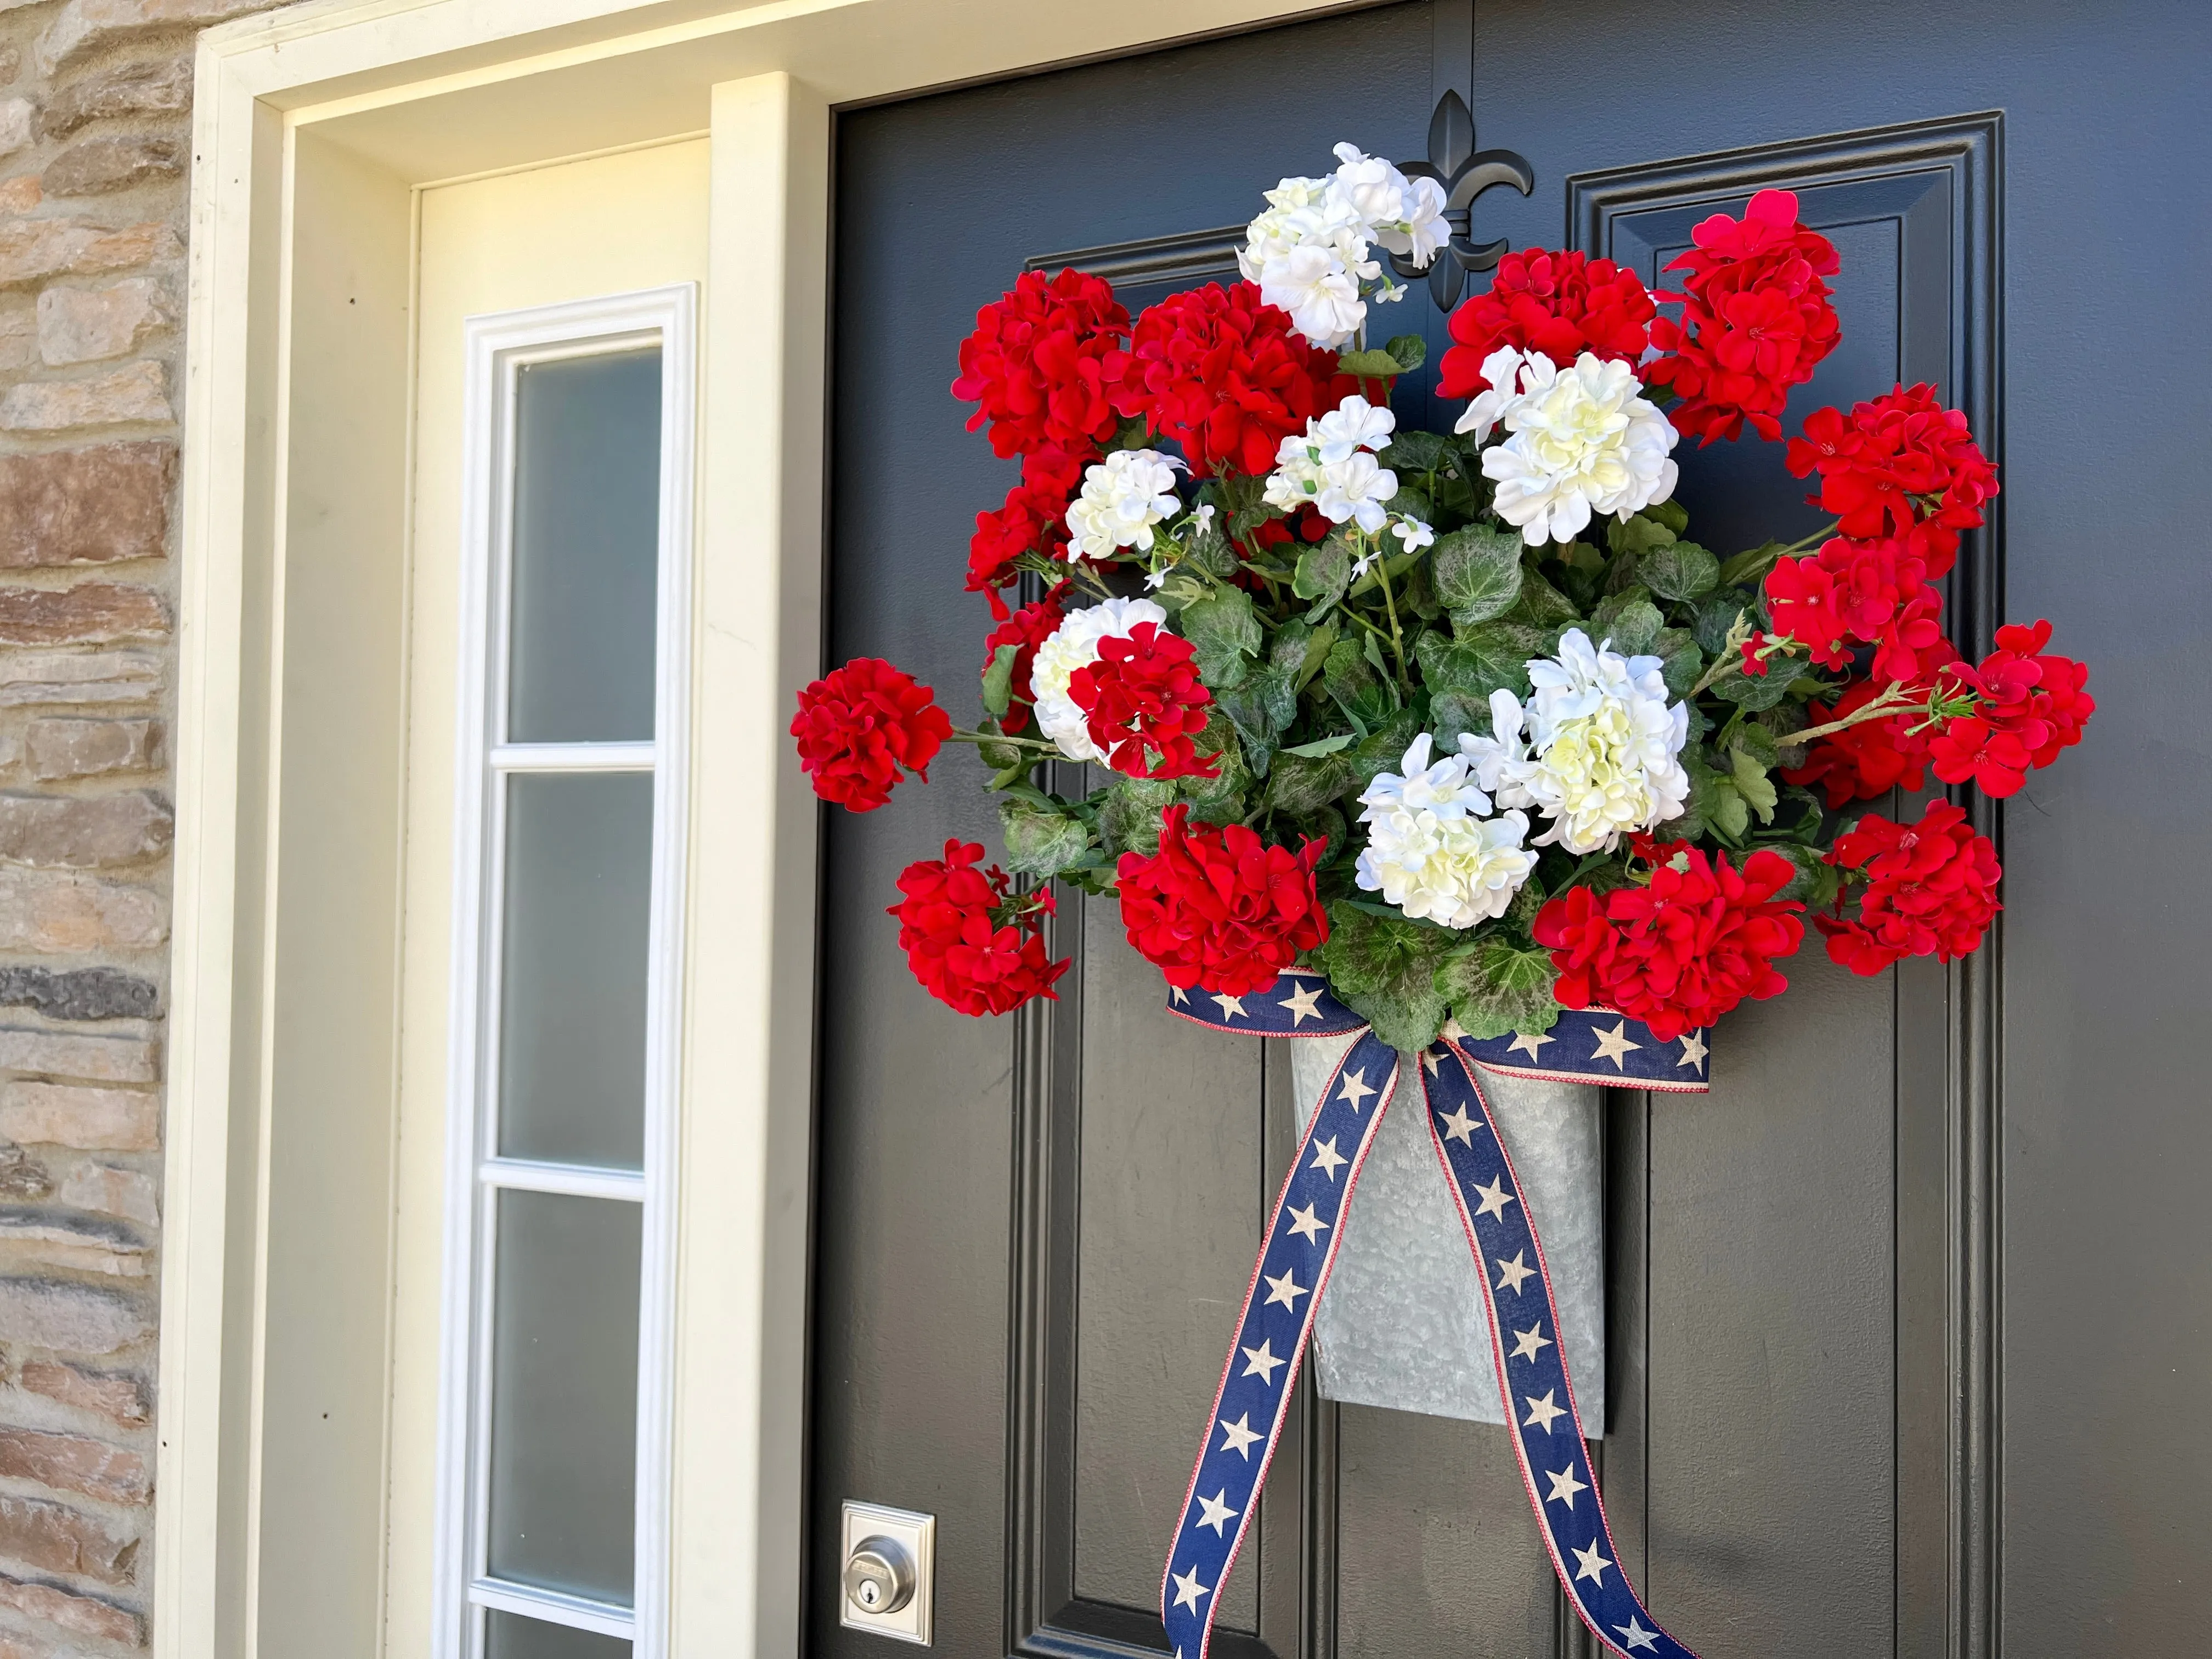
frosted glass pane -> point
(513, 1637)
(587, 548)
(572, 990)
(564, 1394)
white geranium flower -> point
(1292, 213)
(1432, 851)
(1413, 533)
(1352, 485)
(1355, 423)
(1073, 645)
(1584, 441)
(1594, 750)
(1123, 497)
(1319, 288)
(1406, 216)
(1356, 488)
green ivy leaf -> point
(1540, 602)
(1324, 570)
(1718, 614)
(1632, 628)
(1672, 514)
(1038, 842)
(1224, 633)
(1418, 450)
(1494, 657)
(1384, 750)
(1638, 534)
(1753, 692)
(1263, 705)
(1385, 969)
(1409, 351)
(1752, 567)
(1756, 741)
(1303, 784)
(1753, 784)
(1321, 746)
(1683, 662)
(999, 681)
(1683, 572)
(1498, 988)
(1816, 881)
(1351, 683)
(1479, 574)
(1129, 817)
(1371, 365)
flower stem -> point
(1812, 540)
(960, 736)
(1895, 700)
(1390, 604)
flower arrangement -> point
(1464, 720)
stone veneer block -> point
(94, 505)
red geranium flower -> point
(1227, 377)
(1900, 465)
(973, 947)
(1682, 953)
(1221, 908)
(858, 724)
(1863, 761)
(1143, 693)
(1033, 520)
(1931, 889)
(1874, 592)
(1559, 304)
(1756, 319)
(2027, 706)
(1044, 363)
(1027, 629)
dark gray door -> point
(1911, 1319)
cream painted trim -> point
(412, 90)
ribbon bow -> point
(1304, 1230)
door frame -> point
(314, 129)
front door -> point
(1923, 1273)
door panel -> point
(1033, 1234)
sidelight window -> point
(554, 1436)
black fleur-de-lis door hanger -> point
(1464, 173)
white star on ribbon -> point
(1694, 1051)
(1460, 1126)
(1510, 1274)
(1237, 1437)
(1214, 1512)
(1189, 1589)
(1261, 1362)
(1530, 1340)
(1637, 1637)
(1304, 1004)
(1565, 1486)
(1530, 1044)
(1232, 1007)
(1542, 1413)
(1495, 1198)
(1431, 1060)
(1614, 1046)
(1307, 1224)
(1327, 1158)
(1178, 996)
(1355, 1087)
(1593, 1564)
(1285, 1290)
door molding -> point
(1942, 182)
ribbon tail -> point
(1541, 1416)
(1304, 1230)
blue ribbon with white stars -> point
(1303, 1236)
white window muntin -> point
(497, 348)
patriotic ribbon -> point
(1304, 1232)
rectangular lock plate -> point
(915, 1537)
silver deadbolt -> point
(879, 1576)
(885, 1586)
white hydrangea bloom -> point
(1122, 498)
(1584, 441)
(1432, 850)
(1073, 645)
(1353, 485)
(1311, 251)
(1594, 750)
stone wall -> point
(95, 128)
